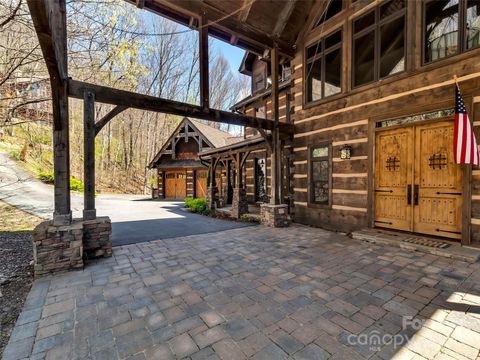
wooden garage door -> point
(201, 183)
(176, 185)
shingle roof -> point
(217, 137)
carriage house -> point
(181, 173)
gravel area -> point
(15, 279)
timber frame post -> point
(275, 161)
(50, 21)
(203, 56)
(89, 212)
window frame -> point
(375, 27)
(321, 54)
(310, 193)
(317, 24)
(462, 34)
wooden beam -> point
(253, 38)
(275, 163)
(243, 15)
(283, 17)
(112, 96)
(89, 212)
(49, 19)
(100, 124)
(203, 55)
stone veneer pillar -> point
(274, 215)
(63, 248)
(97, 238)
(212, 193)
(239, 202)
(190, 184)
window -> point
(379, 42)
(324, 65)
(334, 7)
(448, 33)
(320, 175)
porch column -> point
(89, 212)
(212, 188)
(239, 200)
(275, 213)
(229, 182)
(57, 22)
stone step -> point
(392, 238)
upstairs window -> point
(324, 65)
(333, 9)
(379, 43)
(450, 27)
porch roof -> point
(250, 24)
(256, 142)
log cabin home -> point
(371, 96)
(366, 136)
(181, 173)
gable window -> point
(324, 64)
(334, 7)
(450, 27)
(379, 42)
(320, 175)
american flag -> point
(465, 144)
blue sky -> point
(233, 54)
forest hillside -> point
(112, 43)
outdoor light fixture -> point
(345, 152)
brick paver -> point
(260, 293)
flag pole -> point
(455, 79)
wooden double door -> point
(417, 183)
(176, 185)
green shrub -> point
(250, 218)
(48, 178)
(76, 185)
(14, 154)
(196, 205)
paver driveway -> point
(255, 292)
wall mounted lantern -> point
(345, 152)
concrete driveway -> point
(135, 218)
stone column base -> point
(62, 248)
(97, 238)
(212, 197)
(57, 248)
(274, 215)
(239, 202)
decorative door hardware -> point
(448, 193)
(409, 194)
(415, 194)
(385, 191)
(393, 163)
(437, 161)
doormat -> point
(427, 242)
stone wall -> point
(274, 215)
(239, 202)
(63, 248)
(212, 197)
(57, 248)
(97, 241)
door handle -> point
(415, 194)
(409, 194)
